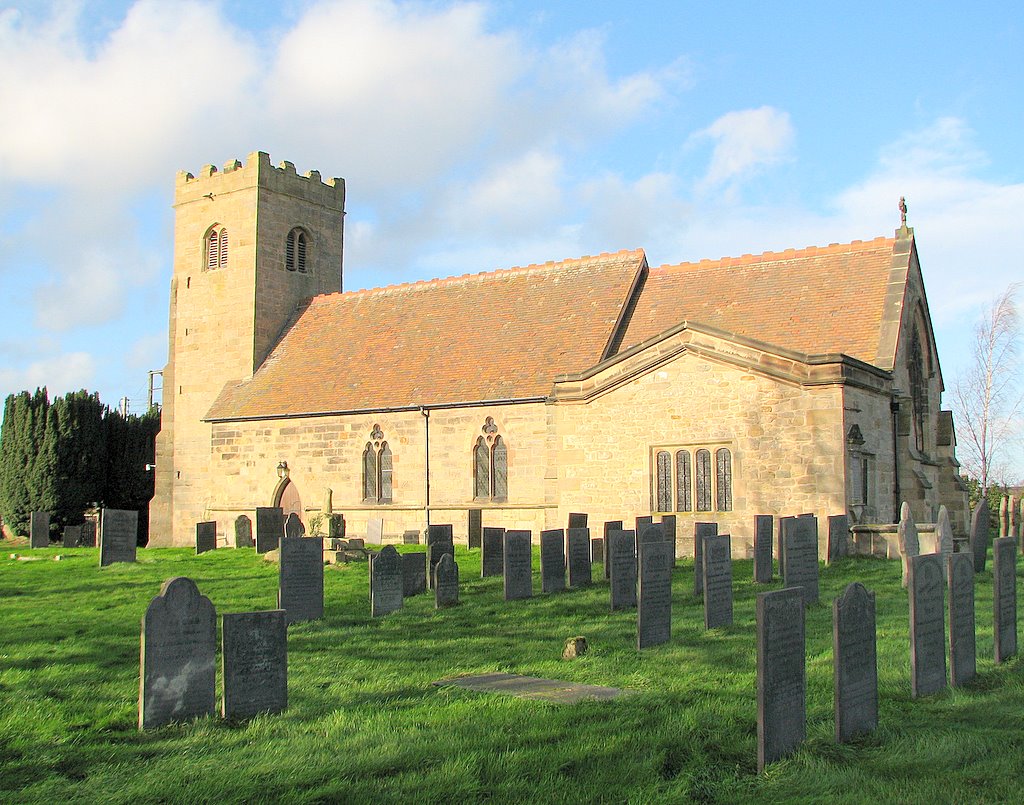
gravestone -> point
(642, 523)
(301, 587)
(254, 658)
(650, 532)
(178, 657)
(855, 665)
(336, 526)
(440, 541)
(1004, 597)
(118, 536)
(838, 536)
(552, 560)
(621, 546)
(780, 547)
(357, 543)
(72, 536)
(206, 536)
(1015, 517)
(979, 535)
(597, 550)
(963, 658)
(475, 527)
(609, 526)
(763, 572)
(446, 576)
(88, 534)
(374, 530)
(269, 528)
(39, 530)
(517, 565)
(717, 570)
(1004, 516)
(943, 532)
(577, 520)
(926, 587)
(243, 532)
(668, 530)
(293, 527)
(781, 675)
(700, 530)
(578, 557)
(492, 553)
(385, 582)
(654, 594)
(801, 549)
(906, 534)
(411, 537)
(414, 573)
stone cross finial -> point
(903, 211)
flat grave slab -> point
(532, 687)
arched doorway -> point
(287, 497)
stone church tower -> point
(251, 243)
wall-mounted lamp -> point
(282, 470)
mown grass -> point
(364, 723)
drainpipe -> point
(426, 459)
(894, 407)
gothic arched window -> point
(490, 465)
(918, 390)
(663, 467)
(481, 470)
(684, 499)
(723, 466)
(703, 459)
(216, 244)
(295, 248)
(378, 463)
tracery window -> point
(684, 480)
(295, 248)
(723, 487)
(216, 247)
(490, 465)
(378, 465)
(703, 459)
(684, 495)
(918, 389)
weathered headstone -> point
(1004, 597)
(609, 526)
(927, 625)
(517, 564)
(375, 530)
(357, 543)
(780, 547)
(293, 527)
(838, 536)
(642, 523)
(243, 532)
(118, 536)
(72, 536)
(386, 582)
(781, 675)
(336, 525)
(700, 530)
(650, 532)
(943, 532)
(577, 520)
(206, 536)
(178, 673)
(763, 571)
(801, 549)
(411, 537)
(717, 570)
(855, 665)
(254, 657)
(446, 588)
(979, 536)
(269, 528)
(301, 590)
(597, 550)
(414, 573)
(475, 527)
(621, 547)
(1004, 516)
(963, 658)
(578, 557)
(440, 540)
(492, 553)
(906, 533)
(654, 594)
(668, 530)
(39, 530)
(552, 560)
(88, 534)
(1015, 518)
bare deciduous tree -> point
(986, 398)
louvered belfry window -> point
(216, 247)
(490, 465)
(223, 248)
(295, 251)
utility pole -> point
(152, 387)
(122, 406)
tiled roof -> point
(815, 300)
(499, 335)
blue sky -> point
(485, 135)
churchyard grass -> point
(364, 723)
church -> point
(781, 383)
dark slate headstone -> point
(206, 536)
(763, 571)
(979, 535)
(855, 668)
(254, 657)
(641, 524)
(650, 532)
(88, 534)
(926, 587)
(243, 532)
(597, 550)
(446, 588)
(838, 536)
(118, 536)
(414, 573)
(178, 673)
(781, 675)
(39, 530)
(301, 591)
(517, 565)
(269, 528)
(578, 557)
(492, 553)
(336, 526)
(700, 530)
(475, 527)
(801, 550)
(440, 540)
(293, 527)
(654, 594)
(609, 526)
(552, 560)
(385, 582)
(357, 543)
(668, 530)
(577, 520)
(621, 547)
(411, 537)
(963, 657)
(72, 536)
(1004, 597)
(717, 570)
(780, 543)
(375, 530)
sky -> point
(477, 136)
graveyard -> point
(365, 721)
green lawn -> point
(364, 724)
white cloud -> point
(59, 373)
(745, 142)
